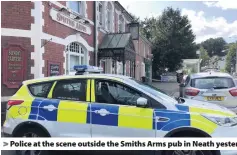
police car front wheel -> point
(31, 133)
(188, 152)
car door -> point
(114, 112)
(67, 107)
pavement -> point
(170, 88)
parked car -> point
(214, 87)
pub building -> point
(48, 38)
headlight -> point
(222, 121)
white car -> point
(218, 88)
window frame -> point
(122, 23)
(72, 79)
(109, 16)
(79, 56)
(151, 102)
(39, 83)
(80, 7)
(101, 18)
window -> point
(109, 16)
(75, 6)
(115, 93)
(121, 24)
(100, 13)
(76, 55)
(40, 89)
(70, 90)
(212, 82)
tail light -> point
(233, 92)
(11, 103)
(191, 92)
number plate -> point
(214, 98)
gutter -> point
(95, 35)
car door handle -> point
(102, 112)
(162, 119)
(49, 107)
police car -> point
(103, 105)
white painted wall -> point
(36, 36)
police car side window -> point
(70, 90)
(115, 93)
(40, 89)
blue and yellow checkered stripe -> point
(119, 116)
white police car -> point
(107, 105)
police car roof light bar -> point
(82, 69)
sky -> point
(209, 19)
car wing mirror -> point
(141, 102)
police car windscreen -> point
(212, 82)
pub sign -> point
(53, 68)
(14, 65)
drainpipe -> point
(95, 34)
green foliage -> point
(214, 46)
(172, 38)
(204, 56)
(231, 57)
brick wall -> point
(59, 30)
(100, 37)
(26, 44)
(16, 14)
(54, 53)
(90, 10)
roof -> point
(62, 77)
(115, 40)
(210, 74)
(124, 10)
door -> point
(69, 104)
(114, 112)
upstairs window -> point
(121, 24)
(76, 6)
(101, 13)
(109, 16)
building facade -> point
(42, 39)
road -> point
(170, 88)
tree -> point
(172, 38)
(135, 18)
(214, 46)
(231, 57)
(204, 56)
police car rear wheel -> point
(31, 133)
(188, 152)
